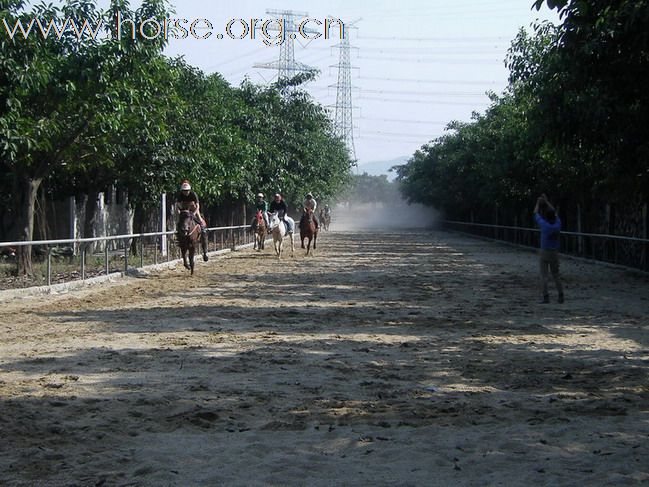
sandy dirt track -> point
(385, 359)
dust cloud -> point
(397, 215)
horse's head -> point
(185, 220)
(308, 214)
(260, 218)
(274, 220)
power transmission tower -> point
(344, 108)
(286, 65)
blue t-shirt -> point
(549, 232)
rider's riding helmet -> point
(185, 186)
(260, 195)
(309, 195)
(278, 197)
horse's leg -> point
(184, 253)
(191, 259)
(203, 238)
(315, 239)
(290, 235)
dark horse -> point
(308, 229)
(325, 219)
(189, 234)
(259, 229)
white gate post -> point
(72, 217)
(163, 224)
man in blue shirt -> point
(550, 224)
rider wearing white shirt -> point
(312, 204)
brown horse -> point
(308, 229)
(189, 234)
(260, 230)
(325, 219)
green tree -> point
(63, 97)
(593, 93)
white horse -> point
(279, 231)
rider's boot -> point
(204, 244)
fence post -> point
(72, 218)
(516, 234)
(49, 266)
(609, 225)
(580, 239)
(645, 235)
(141, 251)
(83, 262)
(106, 262)
(125, 256)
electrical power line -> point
(403, 121)
(436, 39)
(397, 134)
(427, 81)
(419, 142)
(432, 60)
(426, 102)
(424, 93)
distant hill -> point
(377, 168)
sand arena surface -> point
(385, 359)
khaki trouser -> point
(549, 260)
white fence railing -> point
(228, 237)
(632, 252)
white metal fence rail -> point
(229, 236)
(630, 252)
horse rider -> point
(279, 206)
(188, 200)
(311, 204)
(327, 210)
(262, 205)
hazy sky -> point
(420, 63)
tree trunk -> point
(29, 191)
(91, 213)
(40, 216)
(138, 227)
(244, 211)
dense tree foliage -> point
(573, 122)
(365, 188)
(84, 116)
